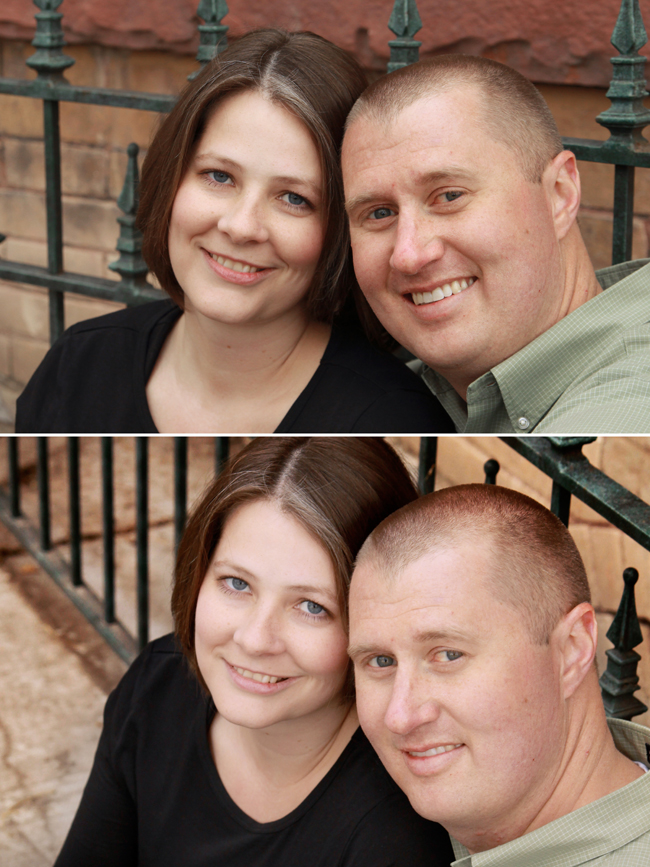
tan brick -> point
(113, 257)
(90, 223)
(24, 162)
(575, 109)
(26, 356)
(22, 250)
(79, 260)
(14, 55)
(9, 393)
(84, 171)
(21, 117)
(78, 308)
(153, 72)
(22, 214)
(24, 312)
(596, 228)
(103, 125)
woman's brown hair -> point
(307, 75)
(339, 488)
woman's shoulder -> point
(359, 388)
(93, 378)
(387, 831)
(158, 685)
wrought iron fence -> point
(626, 148)
(559, 458)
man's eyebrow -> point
(427, 637)
(449, 174)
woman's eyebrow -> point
(308, 589)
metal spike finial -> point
(627, 115)
(213, 34)
(49, 60)
(629, 33)
(619, 681)
(405, 22)
(130, 266)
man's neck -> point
(591, 767)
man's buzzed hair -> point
(515, 112)
(536, 566)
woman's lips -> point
(257, 682)
(234, 271)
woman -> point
(263, 763)
(241, 209)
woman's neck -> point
(217, 376)
(269, 772)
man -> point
(473, 643)
(462, 207)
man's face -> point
(463, 709)
(454, 249)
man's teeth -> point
(253, 675)
(436, 750)
(234, 266)
(440, 292)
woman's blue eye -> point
(237, 583)
(220, 177)
(295, 199)
(313, 607)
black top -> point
(154, 797)
(93, 380)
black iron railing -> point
(560, 459)
(626, 147)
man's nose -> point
(243, 219)
(259, 632)
(417, 243)
(411, 704)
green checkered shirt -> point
(613, 831)
(588, 374)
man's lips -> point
(454, 287)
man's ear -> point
(576, 636)
(562, 179)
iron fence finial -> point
(213, 34)
(130, 266)
(49, 61)
(619, 681)
(405, 22)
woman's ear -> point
(562, 180)
(576, 636)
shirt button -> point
(523, 423)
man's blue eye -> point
(382, 661)
(381, 214)
(453, 194)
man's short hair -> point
(536, 566)
(515, 112)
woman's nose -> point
(259, 632)
(243, 220)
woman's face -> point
(269, 639)
(246, 228)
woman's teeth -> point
(436, 750)
(234, 266)
(253, 675)
(440, 292)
